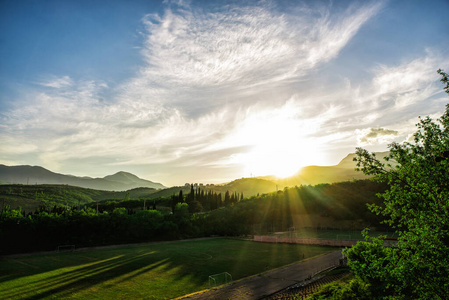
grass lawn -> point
(333, 234)
(156, 271)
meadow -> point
(330, 234)
(151, 271)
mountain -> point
(349, 163)
(248, 186)
(120, 181)
(312, 175)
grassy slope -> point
(157, 271)
(30, 197)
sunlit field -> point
(333, 234)
(156, 271)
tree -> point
(417, 206)
(227, 198)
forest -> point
(198, 213)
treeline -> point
(48, 230)
(198, 200)
(199, 213)
(343, 205)
(35, 198)
(201, 200)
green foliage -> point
(126, 221)
(339, 202)
(355, 289)
(34, 197)
(120, 211)
(417, 206)
(46, 230)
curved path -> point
(259, 286)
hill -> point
(312, 175)
(248, 186)
(32, 197)
(121, 184)
(120, 181)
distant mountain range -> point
(120, 181)
(343, 171)
(313, 175)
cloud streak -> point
(217, 86)
(238, 50)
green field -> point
(332, 234)
(154, 271)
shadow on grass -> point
(135, 269)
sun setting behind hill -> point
(279, 143)
(204, 141)
(212, 91)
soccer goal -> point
(219, 279)
(65, 248)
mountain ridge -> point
(120, 181)
(312, 175)
(123, 181)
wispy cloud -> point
(393, 98)
(57, 83)
(194, 55)
(219, 84)
(407, 83)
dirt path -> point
(259, 286)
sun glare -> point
(280, 143)
(282, 159)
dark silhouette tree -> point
(227, 199)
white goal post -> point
(219, 279)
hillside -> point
(123, 184)
(31, 197)
(248, 186)
(312, 175)
(120, 181)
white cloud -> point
(216, 85)
(58, 82)
(194, 55)
(408, 83)
(376, 135)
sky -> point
(211, 91)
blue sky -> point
(211, 91)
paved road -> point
(256, 287)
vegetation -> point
(189, 215)
(155, 271)
(348, 289)
(37, 197)
(416, 205)
(414, 189)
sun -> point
(281, 160)
(280, 144)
